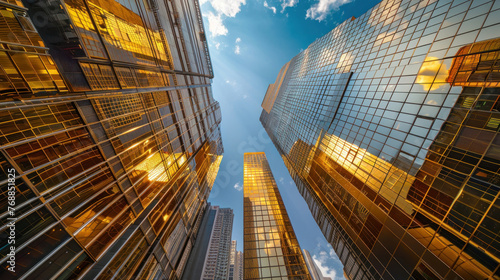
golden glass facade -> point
(108, 123)
(270, 247)
(389, 125)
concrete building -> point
(235, 263)
(217, 258)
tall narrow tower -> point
(217, 257)
(235, 263)
(270, 246)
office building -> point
(389, 127)
(109, 126)
(270, 247)
(235, 263)
(217, 258)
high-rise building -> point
(314, 270)
(216, 265)
(389, 126)
(109, 133)
(212, 251)
(196, 260)
(235, 263)
(239, 275)
(270, 247)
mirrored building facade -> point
(110, 130)
(270, 247)
(389, 126)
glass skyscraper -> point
(389, 126)
(270, 247)
(109, 133)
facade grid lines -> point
(110, 128)
(389, 125)
(271, 249)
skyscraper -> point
(212, 251)
(235, 263)
(241, 260)
(270, 247)
(314, 270)
(217, 259)
(389, 127)
(110, 135)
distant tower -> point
(313, 268)
(235, 263)
(217, 257)
(270, 247)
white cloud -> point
(228, 8)
(238, 187)
(215, 25)
(288, 3)
(323, 267)
(237, 47)
(323, 8)
(270, 7)
(282, 180)
(324, 257)
(223, 9)
(217, 46)
(245, 96)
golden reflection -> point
(267, 228)
(432, 75)
(380, 175)
(476, 65)
(273, 89)
(213, 170)
(155, 168)
(125, 36)
(472, 66)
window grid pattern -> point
(271, 248)
(393, 119)
(127, 146)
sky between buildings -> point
(249, 42)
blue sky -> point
(249, 42)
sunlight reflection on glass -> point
(431, 75)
